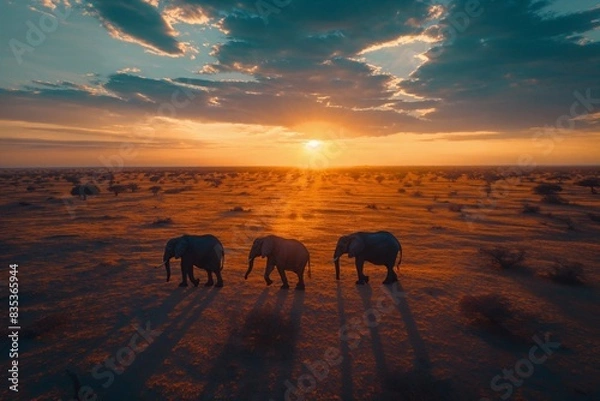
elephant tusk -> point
(335, 259)
(162, 264)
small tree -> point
(117, 189)
(155, 189)
(591, 182)
(549, 193)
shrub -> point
(402, 191)
(594, 217)
(530, 209)
(591, 182)
(549, 193)
(162, 222)
(155, 189)
(567, 273)
(486, 308)
(455, 207)
(117, 189)
(239, 209)
(372, 206)
(504, 258)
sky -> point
(304, 83)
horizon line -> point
(299, 167)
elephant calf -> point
(203, 251)
(285, 254)
(379, 248)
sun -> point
(313, 144)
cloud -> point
(139, 22)
(511, 68)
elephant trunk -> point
(250, 266)
(336, 260)
(166, 260)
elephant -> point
(203, 251)
(379, 248)
(285, 254)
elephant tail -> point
(399, 260)
(309, 272)
(222, 258)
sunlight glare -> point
(313, 144)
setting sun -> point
(313, 144)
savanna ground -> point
(87, 284)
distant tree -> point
(549, 193)
(117, 189)
(379, 179)
(133, 187)
(84, 190)
(453, 175)
(155, 189)
(591, 182)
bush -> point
(239, 209)
(455, 207)
(162, 222)
(155, 189)
(504, 258)
(594, 217)
(486, 308)
(530, 209)
(549, 193)
(591, 182)
(567, 273)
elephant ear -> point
(180, 247)
(356, 246)
(266, 246)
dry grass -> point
(567, 273)
(486, 309)
(504, 258)
(530, 209)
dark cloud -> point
(510, 68)
(140, 21)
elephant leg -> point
(219, 278)
(284, 280)
(300, 285)
(391, 276)
(362, 279)
(268, 270)
(190, 272)
(210, 281)
(184, 273)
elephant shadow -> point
(131, 383)
(263, 346)
(372, 322)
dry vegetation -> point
(87, 241)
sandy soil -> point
(88, 287)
